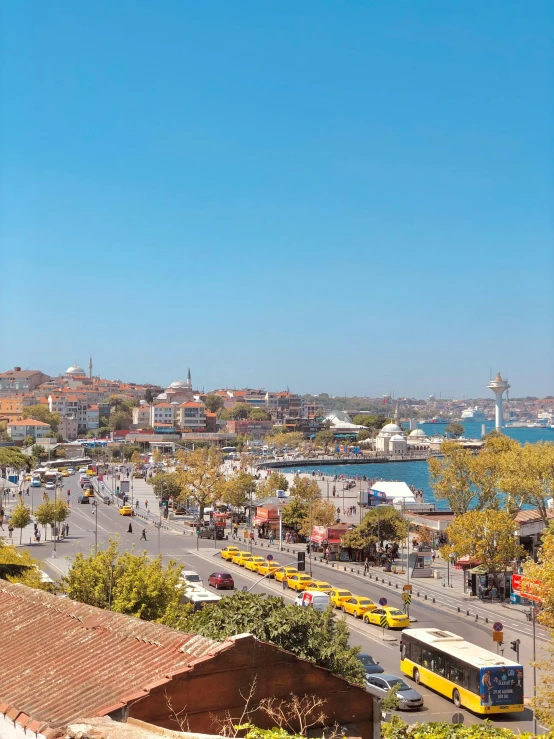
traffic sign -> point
(407, 598)
(382, 601)
(497, 626)
(269, 557)
(498, 636)
(383, 620)
(407, 588)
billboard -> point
(501, 685)
(124, 486)
(521, 586)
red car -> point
(221, 580)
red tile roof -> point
(27, 422)
(94, 659)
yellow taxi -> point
(89, 493)
(91, 473)
(322, 586)
(27, 478)
(299, 582)
(338, 596)
(64, 473)
(358, 605)
(285, 573)
(239, 558)
(125, 510)
(396, 619)
(254, 563)
(229, 552)
(268, 568)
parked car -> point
(395, 618)
(358, 606)
(409, 699)
(221, 580)
(83, 499)
(192, 577)
(254, 563)
(299, 581)
(229, 552)
(339, 596)
(209, 533)
(370, 666)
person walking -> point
(136, 505)
(10, 531)
(146, 504)
(327, 553)
(270, 538)
(143, 535)
(366, 566)
(130, 529)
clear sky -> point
(349, 197)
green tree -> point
(60, 452)
(451, 477)
(528, 475)
(213, 403)
(20, 517)
(38, 451)
(129, 450)
(276, 481)
(380, 524)
(325, 439)
(120, 419)
(129, 583)
(200, 477)
(44, 514)
(239, 489)
(374, 423)
(323, 513)
(19, 566)
(397, 729)
(294, 513)
(14, 458)
(305, 488)
(239, 411)
(148, 395)
(166, 484)
(307, 633)
(486, 535)
(259, 414)
(28, 440)
(455, 430)
(42, 413)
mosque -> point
(393, 440)
(178, 392)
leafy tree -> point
(166, 484)
(148, 395)
(397, 729)
(119, 420)
(325, 438)
(42, 413)
(136, 457)
(276, 481)
(14, 458)
(259, 414)
(486, 535)
(200, 477)
(374, 423)
(20, 517)
(157, 456)
(38, 451)
(382, 523)
(363, 435)
(60, 452)
(239, 489)
(28, 440)
(19, 566)
(455, 430)
(451, 477)
(305, 488)
(213, 402)
(294, 513)
(129, 450)
(282, 438)
(528, 475)
(44, 514)
(239, 411)
(318, 637)
(323, 514)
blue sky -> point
(331, 196)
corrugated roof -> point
(88, 660)
(531, 515)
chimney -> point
(17, 369)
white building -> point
(163, 413)
(191, 416)
(18, 430)
(141, 416)
(391, 440)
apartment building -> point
(18, 430)
(21, 381)
(11, 406)
(162, 413)
(142, 416)
(68, 428)
(191, 416)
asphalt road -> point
(89, 524)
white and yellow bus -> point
(470, 676)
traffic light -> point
(301, 566)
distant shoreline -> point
(333, 462)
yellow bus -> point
(470, 676)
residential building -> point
(191, 416)
(11, 406)
(18, 430)
(68, 428)
(21, 381)
(93, 417)
(288, 404)
(163, 413)
(211, 423)
(141, 416)
(110, 664)
(248, 427)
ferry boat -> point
(473, 414)
(436, 419)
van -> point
(198, 598)
(314, 599)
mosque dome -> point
(391, 428)
(417, 434)
(397, 437)
(178, 384)
(75, 370)
(161, 396)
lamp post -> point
(95, 511)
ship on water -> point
(473, 414)
(435, 419)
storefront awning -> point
(334, 541)
(259, 521)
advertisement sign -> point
(501, 686)
(520, 586)
(124, 486)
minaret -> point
(189, 381)
(498, 386)
(90, 367)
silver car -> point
(409, 699)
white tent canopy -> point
(394, 490)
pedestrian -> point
(37, 536)
(366, 566)
(146, 504)
(10, 531)
(137, 505)
(433, 555)
(143, 535)
(252, 537)
(130, 529)
(270, 538)
(285, 584)
(327, 553)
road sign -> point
(498, 636)
(407, 588)
(383, 620)
(269, 557)
(497, 626)
(382, 601)
(407, 598)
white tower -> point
(498, 386)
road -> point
(89, 524)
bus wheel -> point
(456, 698)
(416, 677)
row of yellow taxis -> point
(356, 605)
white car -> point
(50, 486)
(83, 471)
(70, 471)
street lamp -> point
(95, 512)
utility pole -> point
(310, 540)
(533, 615)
